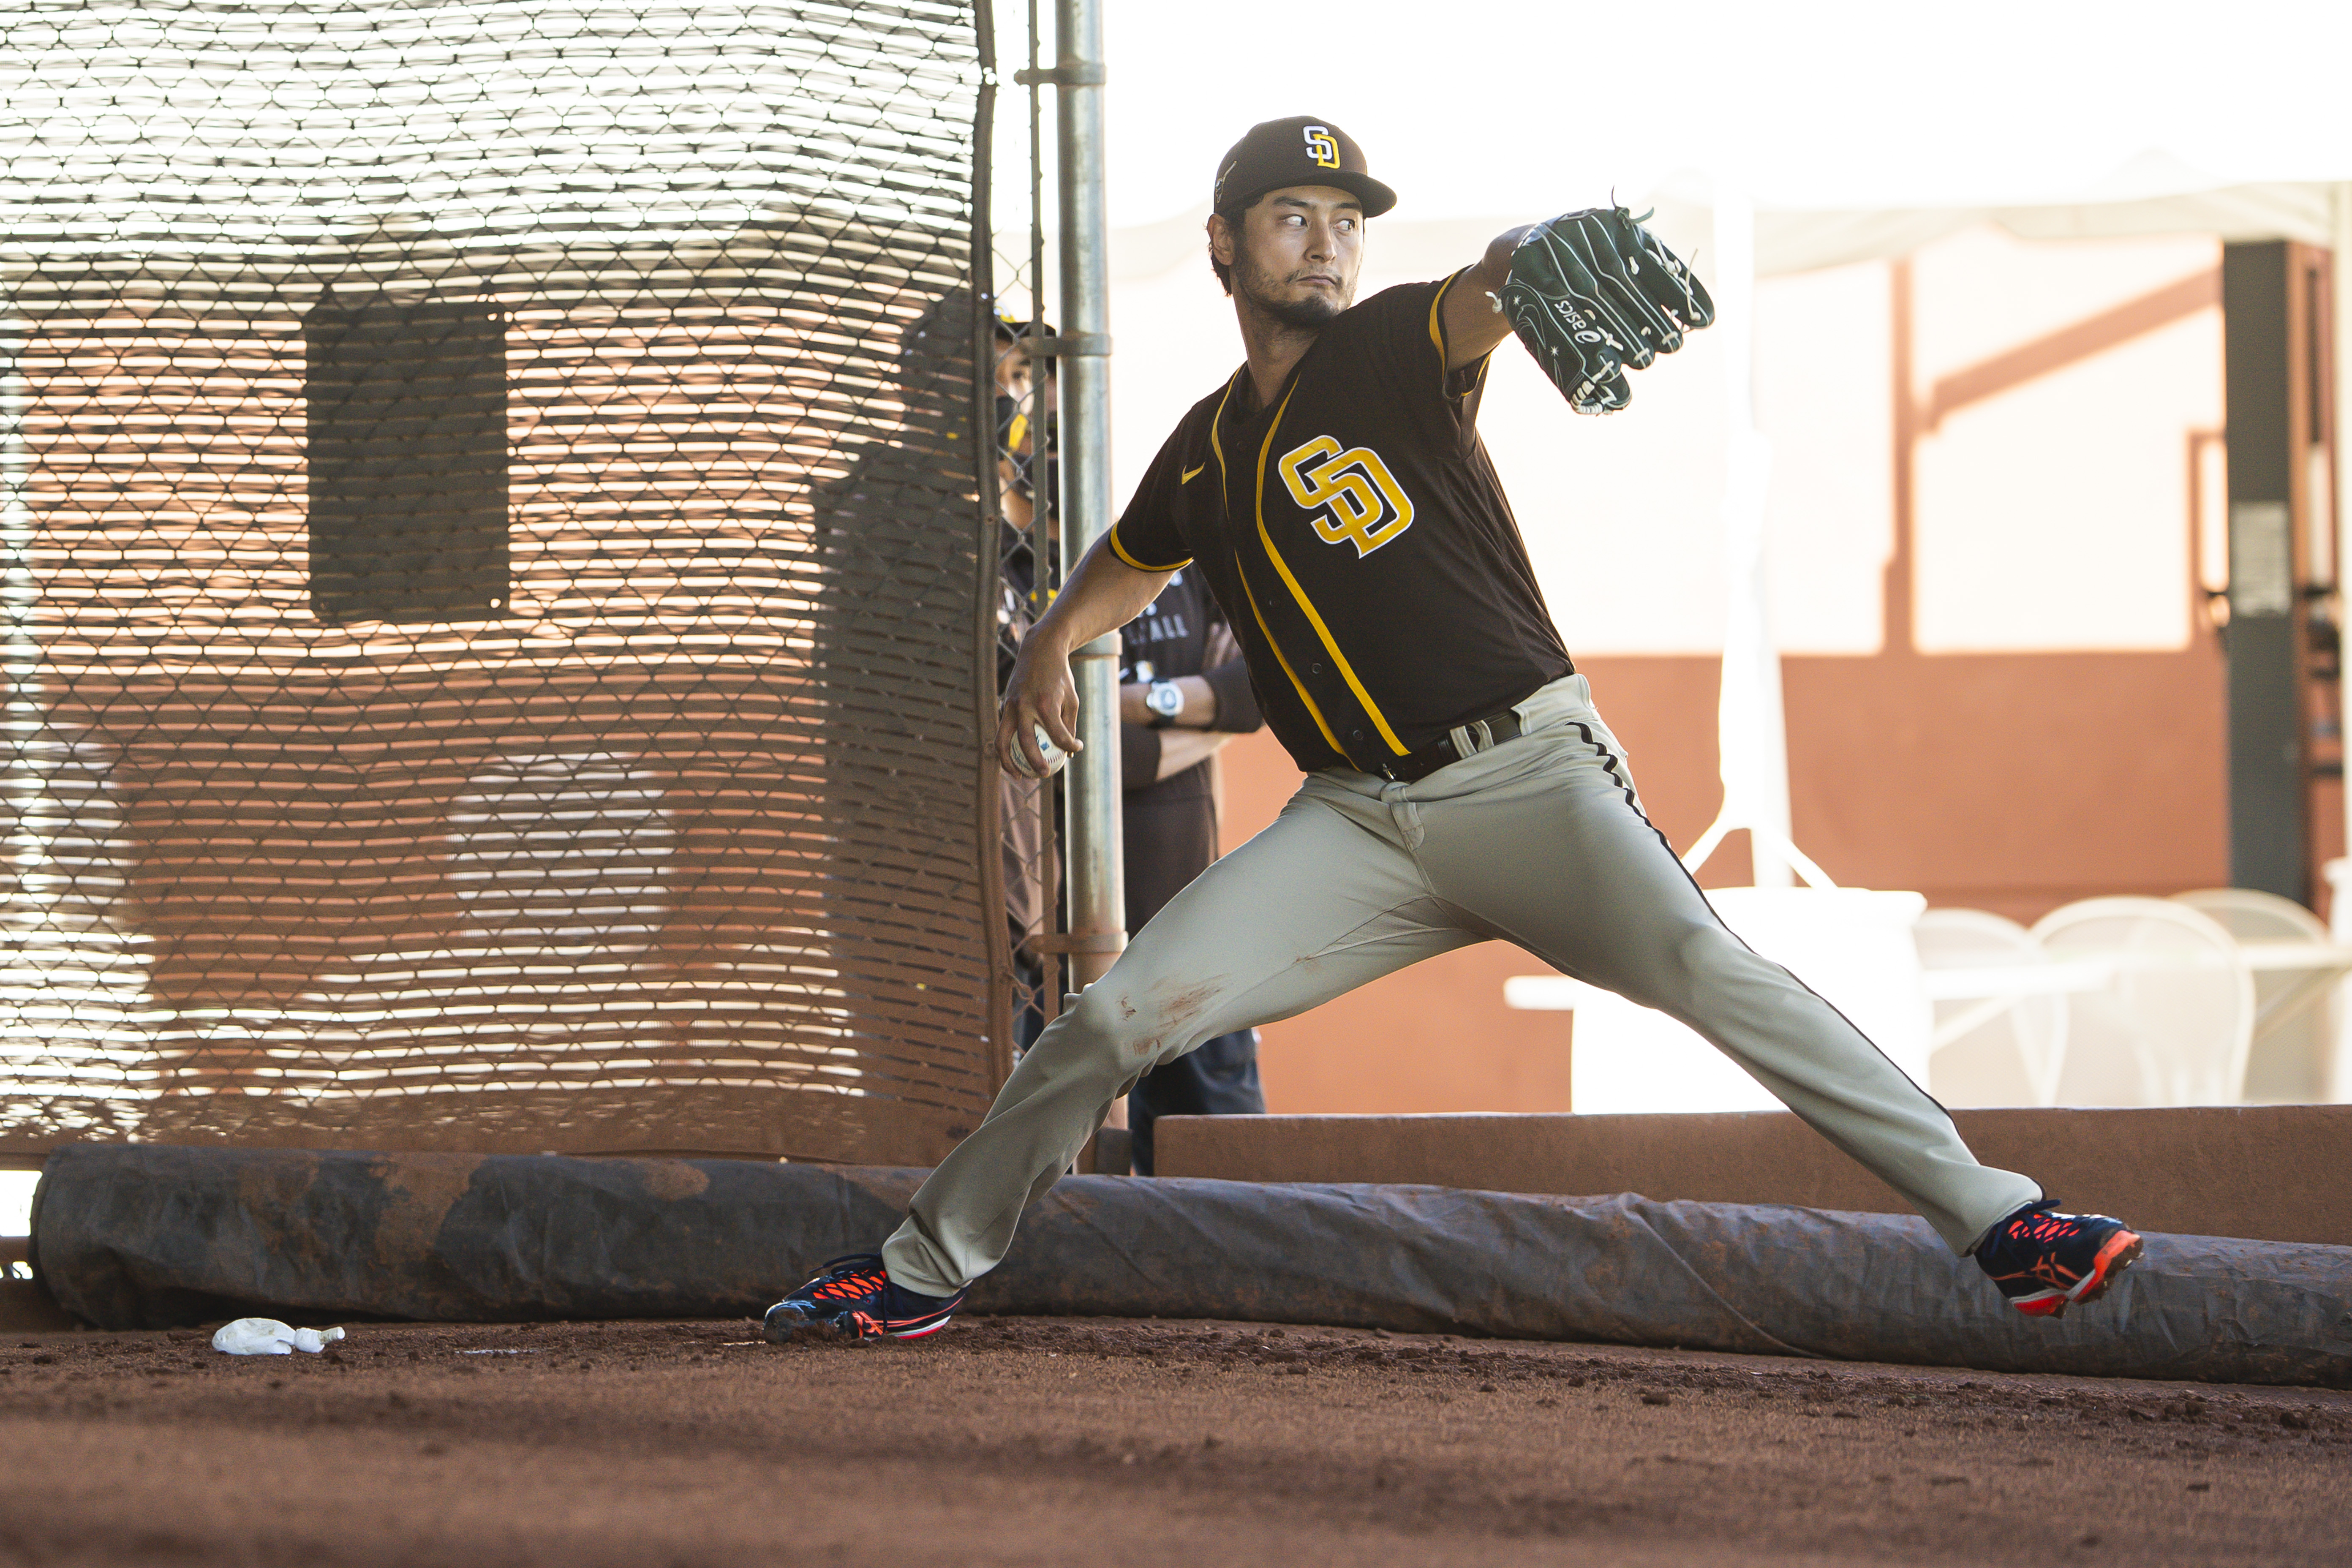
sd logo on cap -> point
(1303, 151)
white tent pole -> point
(1751, 731)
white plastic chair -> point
(2014, 1053)
(2173, 1023)
(2338, 1084)
(2294, 1029)
(2254, 916)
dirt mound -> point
(1063, 1441)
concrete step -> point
(2266, 1173)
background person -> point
(1184, 692)
(1028, 550)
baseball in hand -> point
(1055, 756)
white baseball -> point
(1055, 756)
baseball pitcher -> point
(1460, 787)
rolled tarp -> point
(152, 1237)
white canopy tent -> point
(1853, 131)
(1753, 745)
(1857, 130)
(1811, 106)
(1818, 932)
(2307, 211)
(2153, 195)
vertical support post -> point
(1903, 407)
(1751, 726)
(1751, 730)
(2339, 442)
(1098, 892)
(2268, 828)
(988, 783)
(2336, 1074)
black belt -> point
(1481, 735)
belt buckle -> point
(1469, 739)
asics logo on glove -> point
(1593, 294)
(1357, 499)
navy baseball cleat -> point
(2045, 1262)
(851, 1299)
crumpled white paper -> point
(268, 1336)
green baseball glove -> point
(1593, 294)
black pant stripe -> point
(1609, 765)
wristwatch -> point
(1166, 699)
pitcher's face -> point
(1299, 253)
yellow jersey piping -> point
(1437, 335)
(1436, 328)
(1330, 644)
(1120, 550)
(1223, 490)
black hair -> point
(1233, 216)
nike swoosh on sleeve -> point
(1189, 474)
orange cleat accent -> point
(2044, 1261)
(851, 1299)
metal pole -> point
(2339, 443)
(1098, 892)
(989, 794)
(2338, 1085)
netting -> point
(497, 582)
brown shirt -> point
(1357, 539)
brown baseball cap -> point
(1302, 151)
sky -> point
(1475, 109)
(1495, 107)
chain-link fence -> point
(500, 571)
(1029, 558)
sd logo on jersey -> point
(1359, 502)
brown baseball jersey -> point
(1357, 536)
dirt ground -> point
(1087, 1442)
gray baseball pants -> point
(1539, 841)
